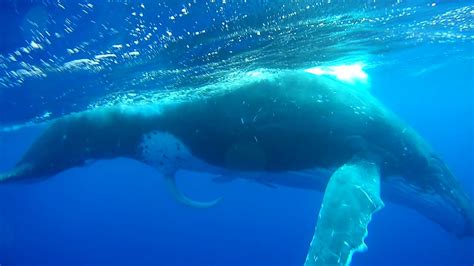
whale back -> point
(293, 121)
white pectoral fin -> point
(180, 197)
(351, 197)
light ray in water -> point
(347, 73)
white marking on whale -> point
(168, 154)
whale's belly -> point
(168, 154)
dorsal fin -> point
(180, 197)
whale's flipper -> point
(352, 196)
(18, 173)
(180, 197)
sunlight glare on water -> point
(347, 73)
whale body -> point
(277, 128)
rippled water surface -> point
(58, 57)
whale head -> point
(75, 140)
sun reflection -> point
(347, 73)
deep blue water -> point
(119, 212)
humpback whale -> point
(278, 128)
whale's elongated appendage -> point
(180, 197)
(15, 174)
(352, 196)
(4, 177)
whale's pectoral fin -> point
(180, 197)
(351, 197)
(20, 172)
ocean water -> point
(61, 57)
